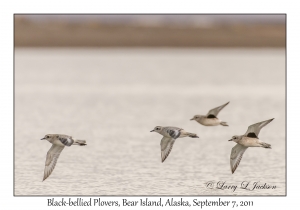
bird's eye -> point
(157, 128)
(47, 137)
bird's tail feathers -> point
(79, 142)
(192, 135)
(224, 123)
(265, 145)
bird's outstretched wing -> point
(51, 159)
(236, 156)
(166, 145)
(253, 130)
(215, 111)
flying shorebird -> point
(58, 142)
(210, 119)
(249, 139)
(170, 134)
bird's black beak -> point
(152, 131)
(42, 138)
(230, 140)
(192, 119)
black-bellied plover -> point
(170, 134)
(58, 142)
(210, 119)
(249, 139)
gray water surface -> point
(112, 98)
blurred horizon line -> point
(135, 30)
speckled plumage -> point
(58, 141)
(170, 134)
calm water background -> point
(113, 97)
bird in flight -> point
(170, 134)
(249, 139)
(210, 119)
(58, 142)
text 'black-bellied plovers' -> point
(249, 139)
(210, 119)
(58, 142)
(170, 134)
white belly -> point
(210, 121)
(250, 142)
